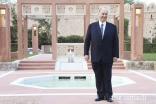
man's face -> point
(103, 15)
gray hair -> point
(103, 8)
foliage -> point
(13, 28)
(45, 28)
(149, 56)
(154, 40)
(44, 39)
(126, 23)
(145, 40)
(149, 48)
(14, 47)
(127, 46)
(129, 1)
(29, 37)
(126, 36)
(44, 33)
(138, 2)
(70, 39)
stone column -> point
(19, 25)
(137, 15)
(25, 38)
(54, 32)
(116, 21)
(5, 53)
(35, 38)
(121, 31)
(86, 19)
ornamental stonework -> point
(79, 50)
(127, 7)
(80, 8)
(34, 9)
(70, 9)
(75, 26)
(26, 9)
(114, 9)
(61, 9)
(94, 9)
(151, 7)
(46, 9)
(62, 50)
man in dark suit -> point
(103, 38)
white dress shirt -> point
(104, 26)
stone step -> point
(36, 64)
(115, 64)
(36, 68)
(37, 61)
(116, 67)
(118, 61)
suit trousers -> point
(103, 75)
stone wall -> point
(149, 19)
(142, 65)
(14, 54)
(5, 66)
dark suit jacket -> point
(105, 48)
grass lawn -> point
(14, 59)
(149, 56)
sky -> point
(145, 1)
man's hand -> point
(115, 59)
(86, 57)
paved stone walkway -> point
(143, 91)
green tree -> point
(139, 2)
(45, 29)
(129, 1)
(126, 23)
(13, 28)
(29, 37)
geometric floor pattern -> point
(143, 91)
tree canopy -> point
(13, 28)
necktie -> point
(102, 30)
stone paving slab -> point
(8, 92)
(59, 99)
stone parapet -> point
(141, 65)
(5, 66)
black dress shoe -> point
(109, 99)
(99, 99)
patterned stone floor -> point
(143, 91)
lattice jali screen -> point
(62, 50)
(78, 9)
(36, 9)
(113, 9)
(78, 50)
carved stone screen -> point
(70, 9)
(113, 9)
(33, 9)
